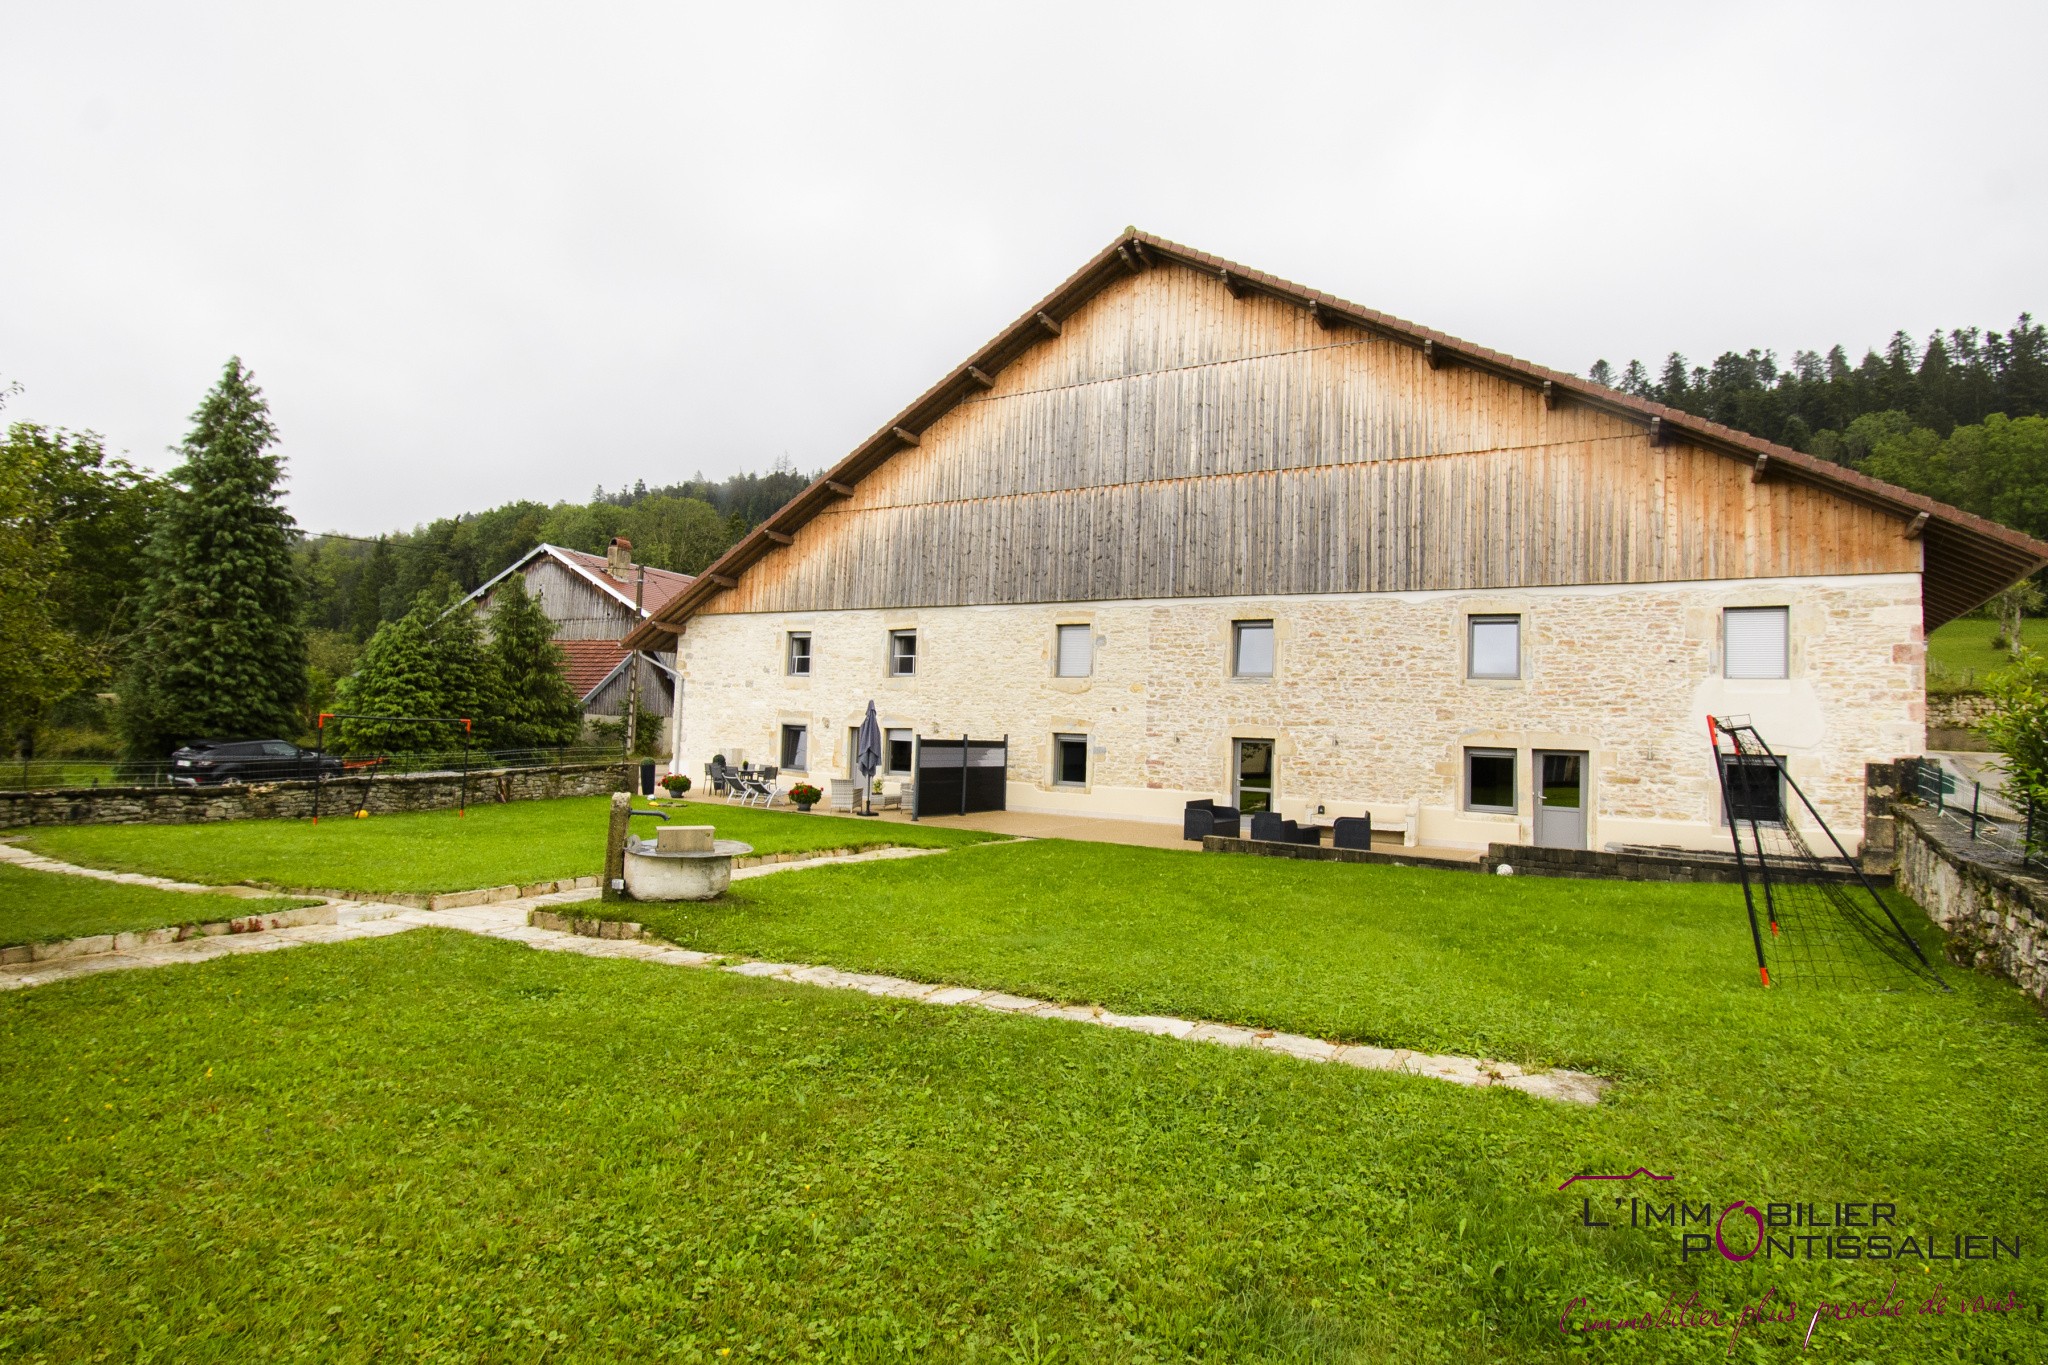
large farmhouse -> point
(1186, 530)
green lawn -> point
(1960, 656)
(36, 907)
(439, 1147)
(520, 842)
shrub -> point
(2018, 726)
(676, 783)
(804, 794)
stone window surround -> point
(889, 652)
(1231, 644)
(789, 653)
(1085, 620)
(1514, 755)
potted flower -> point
(805, 796)
(676, 784)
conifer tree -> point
(395, 676)
(539, 710)
(468, 674)
(219, 651)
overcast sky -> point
(484, 252)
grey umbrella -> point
(867, 756)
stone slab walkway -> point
(510, 920)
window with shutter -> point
(1076, 651)
(1755, 642)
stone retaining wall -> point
(1993, 917)
(294, 800)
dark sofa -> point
(1205, 817)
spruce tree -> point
(539, 710)
(219, 651)
(468, 674)
(396, 675)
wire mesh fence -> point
(46, 774)
(1978, 812)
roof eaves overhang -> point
(1970, 552)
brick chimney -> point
(618, 557)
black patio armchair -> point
(1204, 817)
(1268, 827)
(1351, 831)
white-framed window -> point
(1490, 780)
(902, 653)
(1251, 649)
(1075, 655)
(798, 657)
(1493, 647)
(1070, 760)
(899, 751)
(1756, 642)
(796, 748)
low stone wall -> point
(1955, 720)
(1528, 860)
(1994, 917)
(294, 800)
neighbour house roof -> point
(663, 585)
(590, 664)
(1967, 558)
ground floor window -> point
(1070, 760)
(1756, 788)
(1490, 780)
(899, 751)
(796, 747)
(1254, 775)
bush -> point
(804, 794)
(2018, 726)
(676, 784)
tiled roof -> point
(586, 663)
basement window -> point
(1755, 789)
(796, 748)
(1490, 780)
(1070, 760)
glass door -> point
(1560, 799)
(1254, 775)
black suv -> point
(205, 761)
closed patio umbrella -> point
(867, 756)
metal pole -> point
(462, 801)
(1976, 792)
(319, 762)
(916, 777)
(1735, 836)
(633, 681)
(963, 774)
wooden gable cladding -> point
(1177, 441)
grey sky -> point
(482, 252)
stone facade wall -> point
(294, 800)
(1994, 917)
(1369, 705)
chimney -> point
(618, 557)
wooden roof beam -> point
(1434, 354)
(1128, 254)
(1550, 396)
(1236, 284)
(1763, 465)
(1324, 318)
(1658, 435)
(838, 489)
(722, 580)
(980, 377)
(1046, 321)
(908, 437)
(1917, 527)
(779, 537)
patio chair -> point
(1351, 831)
(1268, 827)
(844, 790)
(763, 791)
(1204, 817)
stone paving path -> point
(509, 920)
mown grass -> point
(438, 1147)
(38, 907)
(1960, 656)
(518, 842)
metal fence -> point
(1978, 812)
(45, 774)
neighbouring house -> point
(594, 600)
(1187, 530)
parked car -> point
(207, 761)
